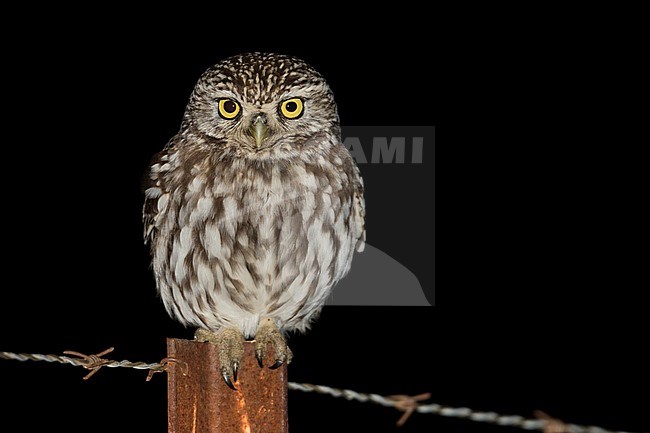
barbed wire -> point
(408, 405)
(404, 403)
(89, 362)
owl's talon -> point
(260, 359)
(268, 333)
(226, 378)
(230, 342)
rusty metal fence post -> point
(200, 402)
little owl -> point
(254, 208)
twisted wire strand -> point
(403, 403)
(80, 362)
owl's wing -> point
(359, 209)
(153, 186)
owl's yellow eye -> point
(228, 109)
(291, 108)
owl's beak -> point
(258, 130)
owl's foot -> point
(230, 342)
(268, 333)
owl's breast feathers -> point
(180, 173)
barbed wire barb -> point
(91, 362)
(407, 404)
(165, 363)
(551, 425)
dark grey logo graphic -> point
(397, 164)
(386, 150)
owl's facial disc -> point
(258, 129)
(261, 105)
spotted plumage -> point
(254, 208)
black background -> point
(84, 110)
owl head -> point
(259, 102)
